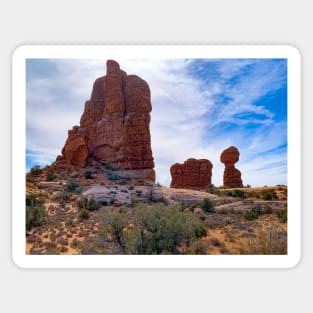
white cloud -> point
(41, 156)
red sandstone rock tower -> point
(232, 176)
(192, 174)
(114, 127)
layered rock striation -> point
(115, 126)
(232, 176)
(192, 174)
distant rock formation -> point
(192, 174)
(232, 176)
(114, 127)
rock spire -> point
(114, 127)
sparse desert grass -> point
(64, 249)
(224, 211)
(228, 220)
(282, 215)
(231, 236)
(199, 247)
(70, 232)
(75, 243)
(271, 239)
(216, 242)
(213, 225)
(89, 247)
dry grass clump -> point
(271, 239)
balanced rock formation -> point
(192, 174)
(114, 127)
(232, 176)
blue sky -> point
(200, 107)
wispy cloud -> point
(200, 107)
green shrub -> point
(103, 202)
(50, 176)
(35, 216)
(35, 211)
(88, 175)
(88, 204)
(267, 209)
(251, 215)
(63, 197)
(154, 229)
(73, 186)
(163, 229)
(282, 215)
(269, 194)
(114, 224)
(84, 214)
(112, 176)
(36, 170)
(211, 188)
(69, 223)
(107, 166)
(257, 209)
(34, 199)
(236, 193)
(122, 182)
(207, 205)
(239, 193)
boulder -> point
(192, 174)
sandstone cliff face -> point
(115, 126)
(232, 176)
(192, 174)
